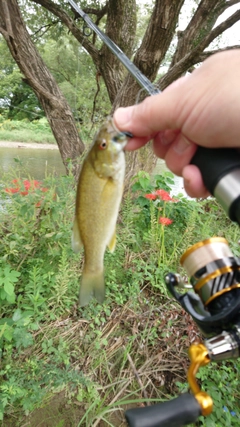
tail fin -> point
(91, 285)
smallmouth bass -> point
(99, 193)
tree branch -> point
(232, 3)
(155, 43)
(193, 57)
(208, 53)
(158, 36)
(121, 28)
(7, 19)
(229, 22)
(98, 12)
(45, 28)
(4, 33)
(70, 24)
(200, 25)
(92, 11)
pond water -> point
(37, 163)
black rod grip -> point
(220, 169)
(178, 412)
(215, 163)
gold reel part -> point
(198, 355)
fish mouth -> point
(128, 134)
(119, 139)
(120, 144)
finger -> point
(162, 141)
(158, 112)
(135, 143)
(193, 182)
(178, 154)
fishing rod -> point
(220, 168)
(214, 276)
(133, 70)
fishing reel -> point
(214, 299)
(214, 304)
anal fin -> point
(112, 243)
(76, 239)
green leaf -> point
(7, 332)
(22, 338)
(9, 288)
(17, 315)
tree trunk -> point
(152, 51)
(121, 28)
(148, 58)
(37, 75)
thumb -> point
(155, 113)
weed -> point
(102, 358)
(25, 131)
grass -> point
(37, 131)
(25, 131)
(66, 366)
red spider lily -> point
(29, 186)
(165, 221)
(151, 196)
(12, 190)
(164, 195)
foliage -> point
(76, 76)
(74, 72)
(220, 380)
(17, 98)
(48, 345)
(25, 130)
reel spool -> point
(215, 306)
(214, 273)
(215, 278)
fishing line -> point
(140, 92)
(128, 64)
(36, 114)
(76, 82)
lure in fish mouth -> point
(99, 194)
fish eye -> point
(103, 144)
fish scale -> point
(99, 194)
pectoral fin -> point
(112, 243)
(76, 239)
(91, 285)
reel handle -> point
(178, 412)
(220, 169)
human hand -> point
(199, 109)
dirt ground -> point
(60, 413)
(11, 144)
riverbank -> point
(13, 144)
